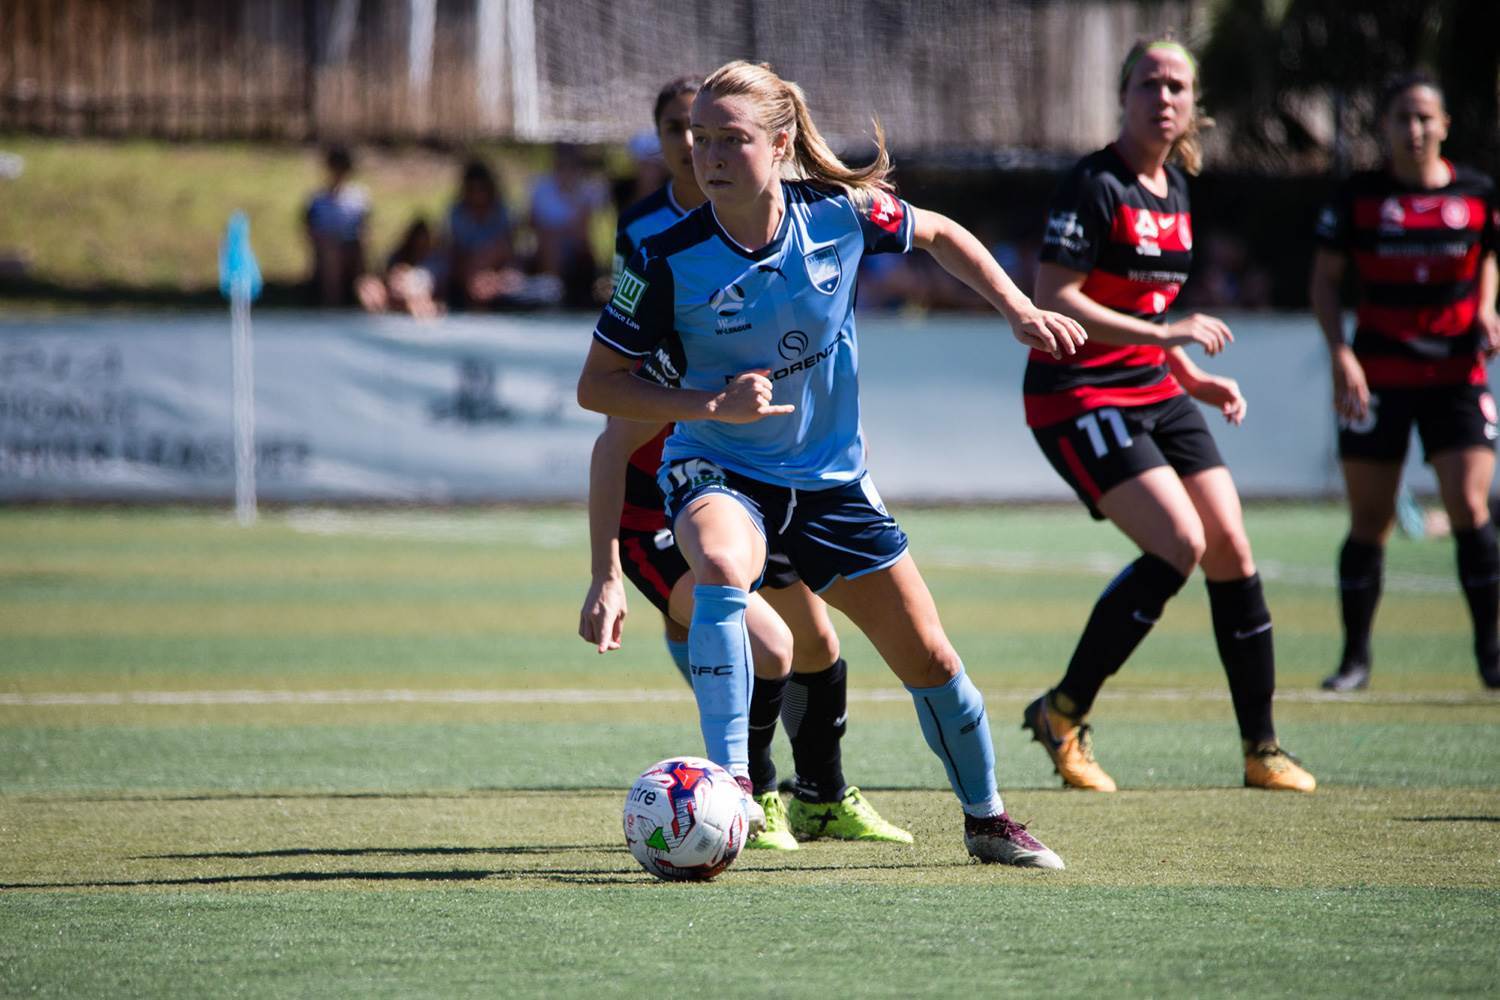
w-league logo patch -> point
(823, 269)
(628, 291)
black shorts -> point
(654, 564)
(1447, 417)
(843, 531)
(1103, 448)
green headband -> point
(1165, 46)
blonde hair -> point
(780, 106)
(1187, 148)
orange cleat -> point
(1069, 743)
(1268, 766)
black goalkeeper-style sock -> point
(1479, 573)
(1122, 617)
(765, 709)
(1361, 567)
(815, 712)
(1242, 627)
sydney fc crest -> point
(823, 269)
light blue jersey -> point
(717, 310)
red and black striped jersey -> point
(1136, 248)
(1417, 252)
(645, 508)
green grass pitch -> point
(364, 754)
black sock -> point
(765, 709)
(814, 714)
(1479, 572)
(1361, 566)
(1122, 616)
(1242, 627)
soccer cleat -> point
(755, 816)
(1001, 840)
(1350, 677)
(1070, 745)
(850, 818)
(1270, 767)
(777, 836)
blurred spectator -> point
(563, 204)
(335, 222)
(481, 253)
(648, 171)
(1227, 276)
(413, 276)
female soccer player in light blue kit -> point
(751, 298)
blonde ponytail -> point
(781, 106)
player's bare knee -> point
(815, 652)
(941, 666)
(1229, 555)
(722, 568)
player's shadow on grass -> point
(361, 852)
(456, 875)
(1449, 819)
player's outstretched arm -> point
(1351, 393)
(961, 254)
(1488, 320)
(1219, 391)
(601, 621)
(1061, 288)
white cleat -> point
(1001, 840)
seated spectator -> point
(413, 274)
(481, 254)
(335, 223)
(563, 204)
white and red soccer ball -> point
(686, 818)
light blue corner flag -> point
(237, 264)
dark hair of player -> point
(676, 88)
(1400, 84)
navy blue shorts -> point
(825, 534)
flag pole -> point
(239, 279)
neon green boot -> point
(850, 818)
(777, 836)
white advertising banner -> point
(353, 408)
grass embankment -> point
(140, 221)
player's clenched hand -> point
(602, 620)
(1049, 331)
(1209, 333)
(1222, 393)
(747, 399)
(1351, 393)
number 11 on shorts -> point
(1089, 424)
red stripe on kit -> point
(1140, 226)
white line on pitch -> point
(572, 696)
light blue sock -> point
(956, 727)
(679, 651)
(719, 651)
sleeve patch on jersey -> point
(1065, 231)
(628, 291)
(886, 212)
